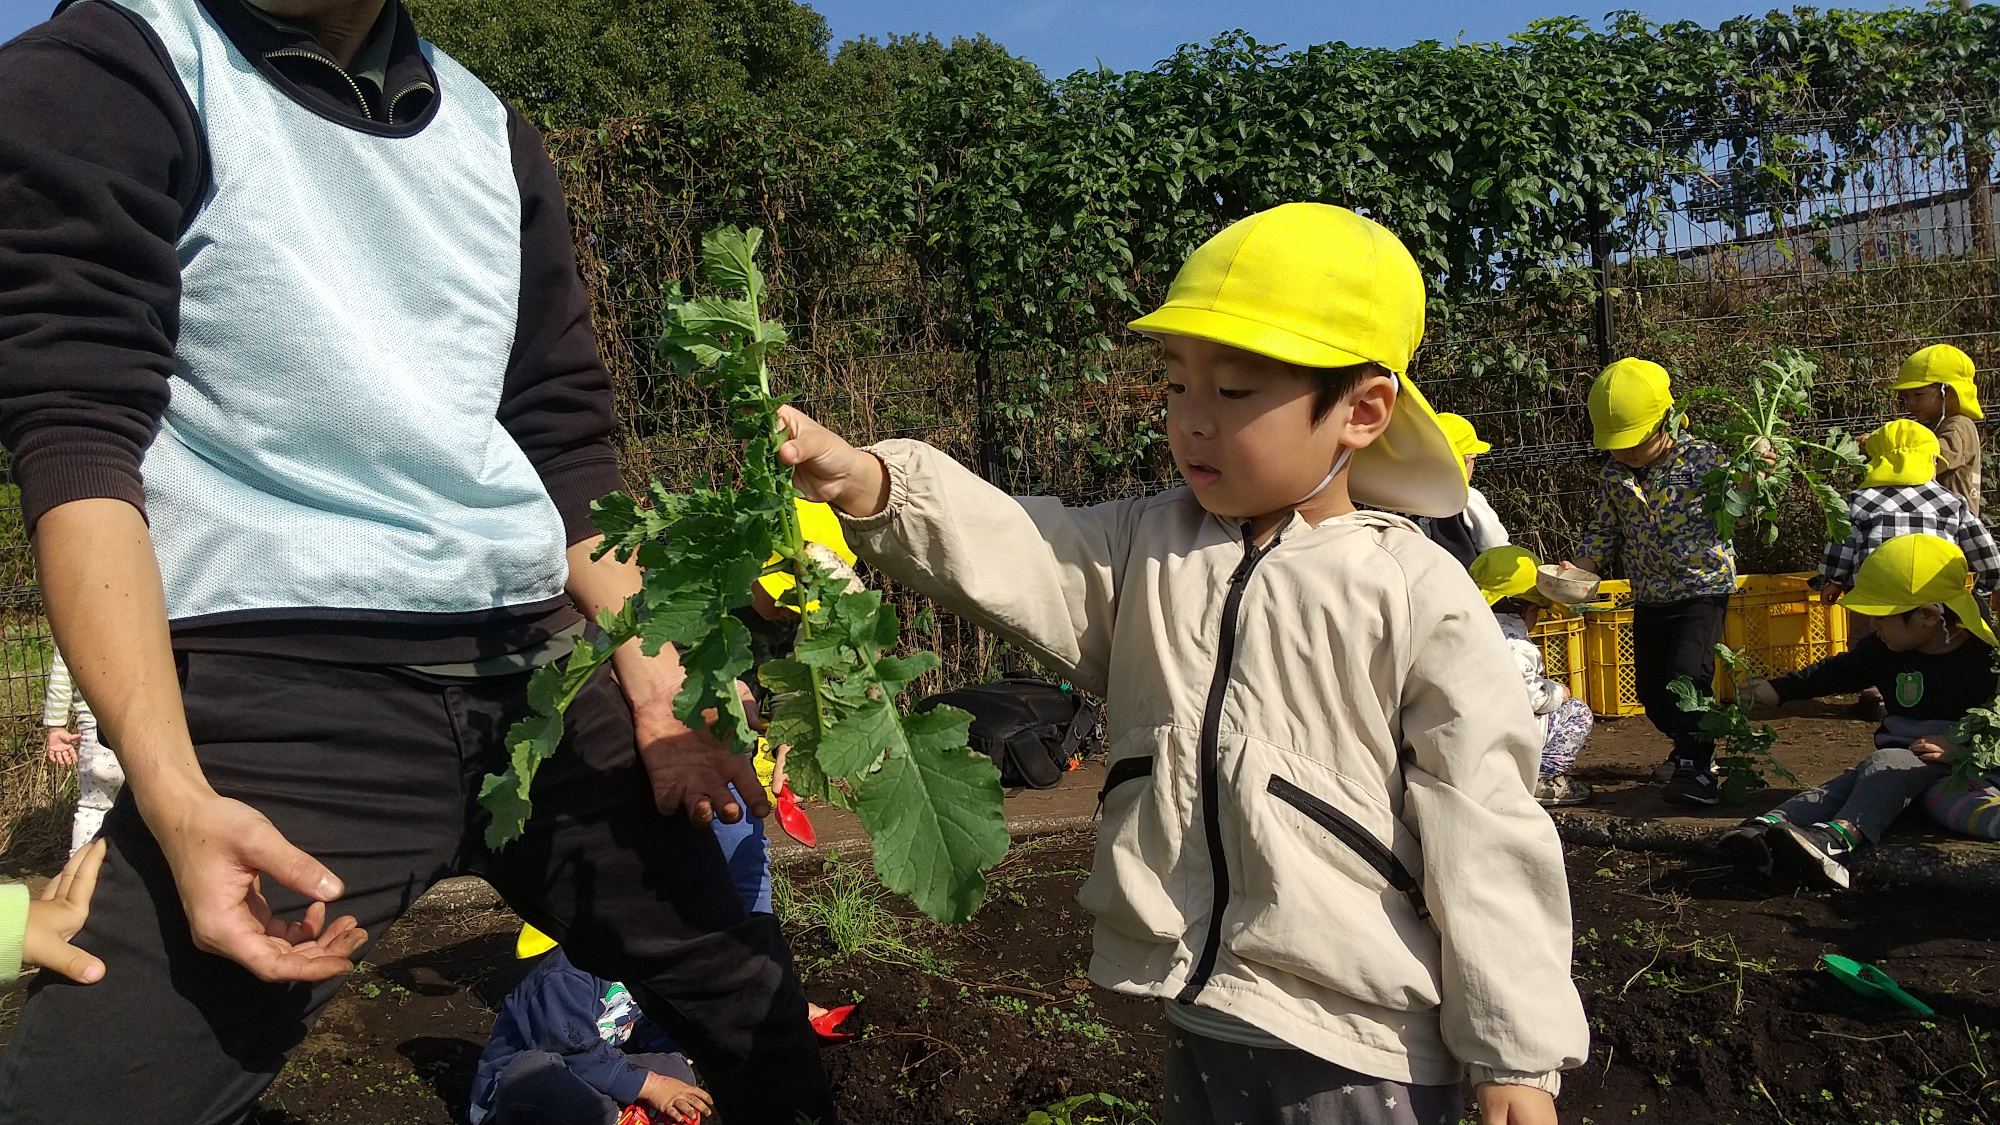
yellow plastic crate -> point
(1775, 620)
(1561, 639)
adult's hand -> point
(218, 849)
(1502, 1103)
(689, 769)
(62, 746)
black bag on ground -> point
(1032, 729)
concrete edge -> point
(1959, 865)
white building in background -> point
(1936, 226)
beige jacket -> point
(1335, 840)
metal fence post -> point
(1603, 331)
(989, 440)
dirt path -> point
(1705, 1001)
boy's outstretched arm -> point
(1040, 574)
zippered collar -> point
(295, 62)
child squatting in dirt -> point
(1319, 846)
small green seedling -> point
(1743, 757)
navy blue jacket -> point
(565, 1011)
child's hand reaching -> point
(826, 469)
(674, 1100)
(62, 746)
(59, 914)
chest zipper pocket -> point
(1357, 839)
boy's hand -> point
(1830, 592)
(828, 470)
(674, 1099)
(1502, 1103)
(1588, 566)
(62, 746)
(1763, 693)
(59, 914)
(1934, 749)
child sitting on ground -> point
(1649, 512)
(1923, 657)
(1506, 575)
(1477, 529)
(1319, 848)
(1935, 387)
(575, 1048)
(35, 932)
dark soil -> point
(1705, 999)
(1705, 996)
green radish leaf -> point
(924, 811)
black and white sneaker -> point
(1818, 851)
(1691, 785)
(1747, 847)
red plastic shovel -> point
(793, 819)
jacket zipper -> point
(1358, 839)
(1211, 783)
(353, 86)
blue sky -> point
(1065, 35)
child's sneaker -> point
(1820, 851)
(1747, 847)
(1691, 785)
(1561, 791)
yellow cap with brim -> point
(1320, 286)
(1901, 452)
(1458, 429)
(1506, 572)
(1942, 363)
(1916, 570)
(1627, 403)
(532, 943)
(819, 524)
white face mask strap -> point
(1346, 454)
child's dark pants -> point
(1669, 641)
(376, 772)
(538, 1088)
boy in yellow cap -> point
(1900, 495)
(1319, 846)
(1649, 514)
(1932, 656)
(1477, 529)
(1507, 577)
(1935, 386)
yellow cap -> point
(821, 525)
(532, 943)
(1505, 572)
(1942, 363)
(1916, 570)
(1901, 452)
(1458, 429)
(1320, 286)
(1627, 403)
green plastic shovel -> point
(1871, 981)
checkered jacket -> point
(1879, 514)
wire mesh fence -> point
(1856, 251)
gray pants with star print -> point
(1210, 1082)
